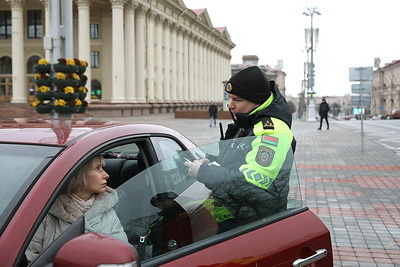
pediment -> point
(224, 32)
(202, 15)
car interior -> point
(121, 167)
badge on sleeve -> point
(268, 124)
(265, 155)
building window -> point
(5, 65)
(94, 31)
(5, 24)
(94, 59)
(35, 28)
(32, 61)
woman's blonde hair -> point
(79, 181)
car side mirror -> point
(94, 249)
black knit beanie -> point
(251, 84)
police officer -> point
(252, 179)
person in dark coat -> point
(323, 113)
(212, 110)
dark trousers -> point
(213, 119)
(326, 119)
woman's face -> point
(240, 105)
(96, 178)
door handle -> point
(319, 254)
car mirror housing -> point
(95, 249)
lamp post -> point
(310, 12)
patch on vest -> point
(265, 155)
(268, 124)
(269, 140)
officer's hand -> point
(205, 160)
(193, 167)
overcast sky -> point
(351, 34)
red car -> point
(396, 114)
(166, 214)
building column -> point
(19, 84)
(105, 56)
(46, 25)
(130, 53)
(220, 76)
(201, 71)
(179, 65)
(166, 62)
(213, 76)
(118, 56)
(211, 72)
(196, 69)
(216, 78)
(191, 68)
(84, 38)
(173, 88)
(208, 82)
(185, 71)
(140, 53)
(159, 59)
(150, 56)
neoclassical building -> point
(149, 55)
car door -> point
(172, 219)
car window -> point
(164, 208)
(123, 162)
(19, 166)
(165, 147)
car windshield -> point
(165, 200)
(19, 164)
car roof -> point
(61, 131)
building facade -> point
(149, 55)
(385, 97)
(273, 74)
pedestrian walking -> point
(213, 110)
(323, 113)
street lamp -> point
(310, 12)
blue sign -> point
(357, 111)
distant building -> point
(273, 74)
(385, 95)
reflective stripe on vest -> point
(216, 209)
